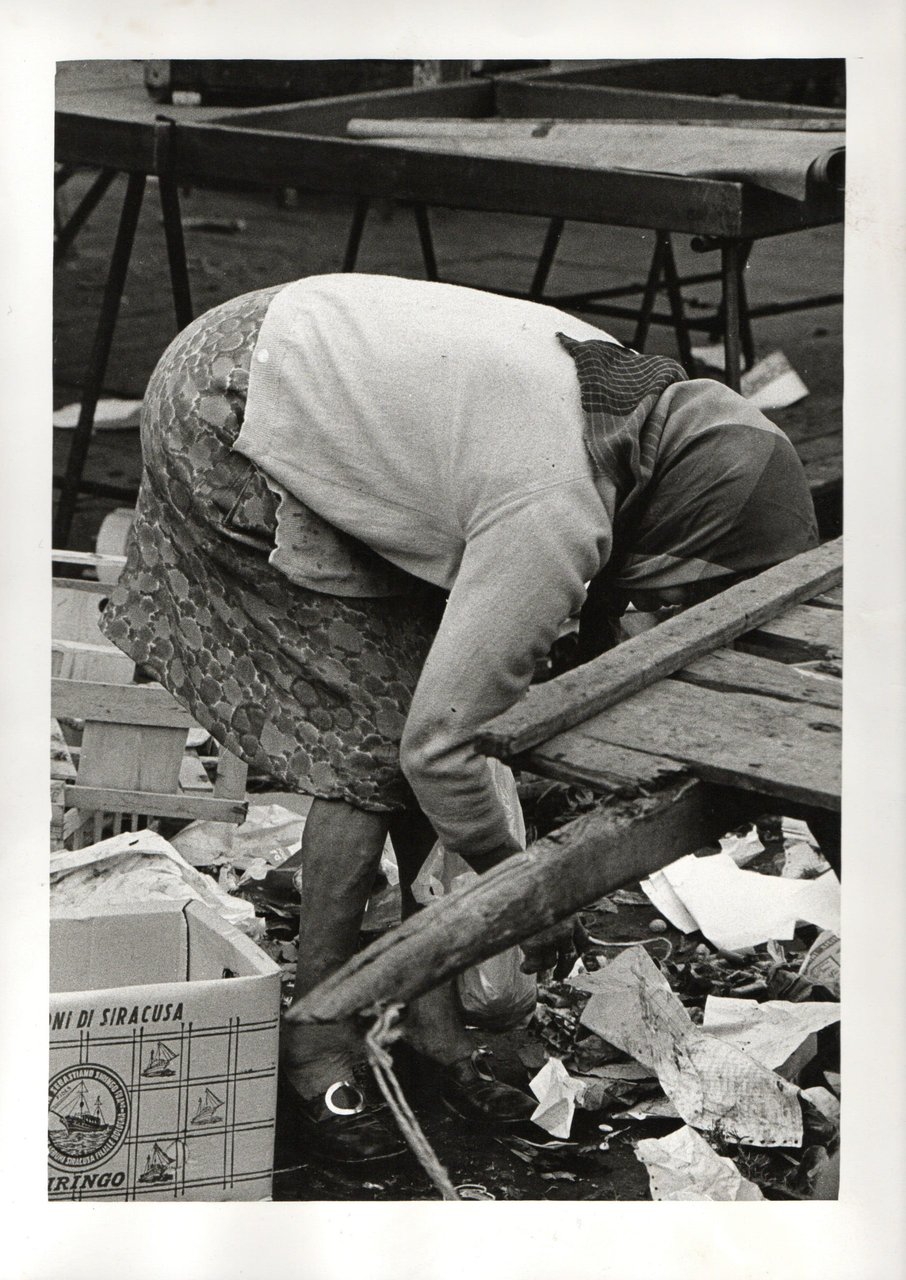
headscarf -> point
(706, 486)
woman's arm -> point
(519, 579)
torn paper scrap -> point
(796, 829)
(822, 962)
(771, 383)
(712, 1083)
(802, 861)
(136, 866)
(665, 898)
(659, 1108)
(683, 1166)
(769, 1032)
(557, 1093)
(824, 1100)
(742, 849)
(735, 909)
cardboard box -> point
(163, 1056)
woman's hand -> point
(555, 948)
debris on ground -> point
(682, 1166)
(664, 1065)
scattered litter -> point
(109, 415)
(738, 909)
(794, 829)
(270, 833)
(628, 898)
(802, 861)
(771, 383)
(825, 1101)
(475, 1191)
(138, 866)
(769, 1032)
(683, 1166)
(659, 1108)
(742, 849)
(712, 1084)
(658, 926)
(495, 995)
(557, 1093)
(822, 962)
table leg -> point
(546, 259)
(354, 239)
(745, 319)
(79, 217)
(675, 295)
(729, 264)
(176, 251)
(97, 365)
(643, 323)
(425, 240)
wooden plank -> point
(829, 599)
(800, 635)
(149, 704)
(573, 866)
(130, 757)
(348, 167)
(329, 115)
(147, 803)
(571, 698)
(783, 749)
(573, 101)
(612, 769)
(90, 585)
(193, 776)
(732, 672)
(232, 775)
(76, 660)
(76, 613)
(61, 763)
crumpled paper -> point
(770, 1031)
(683, 1166)
(736, 909)
(134, 867)
(712, 1084)
(269, 834)
(557, 1093)
(821, 965)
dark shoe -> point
(470, 1090)
(339, 1125)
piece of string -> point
(383, 1032)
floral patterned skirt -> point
(308, 688)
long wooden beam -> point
(559, 704)
(613, 846)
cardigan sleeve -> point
(520, 578)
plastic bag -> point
(494, 995)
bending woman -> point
(368, 507)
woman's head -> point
(727, 497)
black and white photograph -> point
(465, 780)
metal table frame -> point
(303, 145)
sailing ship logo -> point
(158, 1165)
(87, 1116)
(159, 1061)
(208, 1106)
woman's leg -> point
(433, 1026)
(340, 855)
